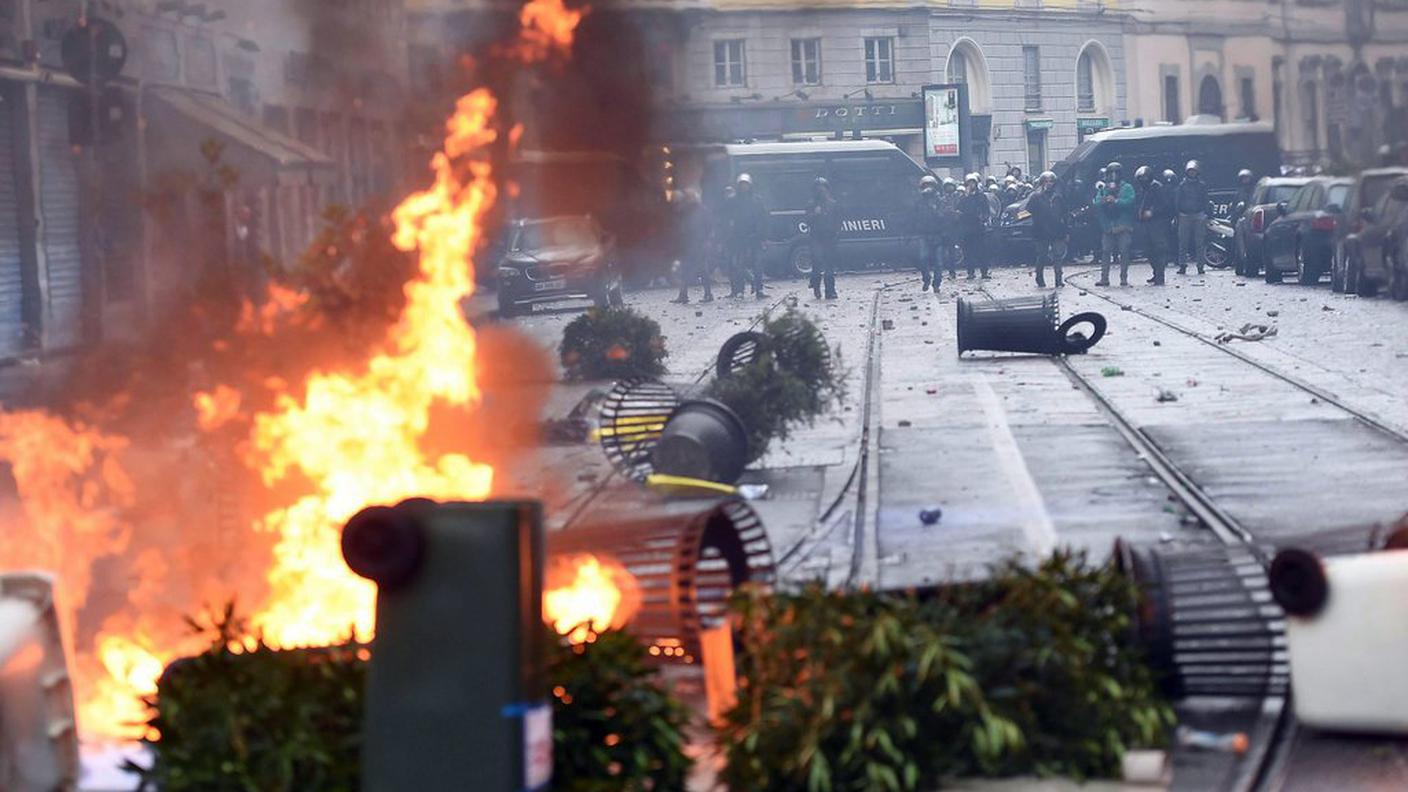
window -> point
(880, 60)
(1031, 71)
(730, 69)
(1247, 88)
(1085, 83)
(1310, 112)
(1339, 194)
(806, 61)
(1172, 111)
(957, 66)
(1036, 150)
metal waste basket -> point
(1025, 324)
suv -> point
(1369, 188)
(1302, 237)
(557, 261)
(1374, 254)
(1256, 216)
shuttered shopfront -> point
(61, 226)
(12, 325)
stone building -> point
(231, 124)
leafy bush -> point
(614, 728)
(1031, 671)
(259, 719)
(262, 720)
(793, 380)
(612, 343)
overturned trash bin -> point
(702, 440)
(1025, 324)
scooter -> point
(1217, 249)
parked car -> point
(555, 262)
(1375, 254)
(1221, 148)
(1257, 216)
(1369, 188)
(1302, 237)
(874, 183)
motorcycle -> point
(1217, 248)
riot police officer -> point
(1048, 227)
(823, 226)
(1114, 205)
(1191, 201)
(749, 223)
(974, 211)
(926, 224)
(1152, 220)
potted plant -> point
(612, 343)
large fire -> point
(344, 438)
(584, 595)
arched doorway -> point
(1210, 97)
(966, 64)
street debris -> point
(1166, 395)
(887, 324)
(1113, 371)
(1326, 308)
(753, 491)
(904, 424)
(1273, 314)
(1158, 343)
(1249, 332)
(1192, 382)
(1225, 742)
(931, 516)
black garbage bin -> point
(703, 440)
(1025, 324)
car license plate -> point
(552, 285)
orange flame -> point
(584, 594)
(345, 439)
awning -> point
(180, 122)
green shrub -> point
(794, 379)
(612, 343)
(614, 728)
(268, 721)
(1031, 671)
(257, 721)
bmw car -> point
(557, 262)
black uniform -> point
(973, 212)
(748, 222)
(693, 244)
(823, 226)
(926, 224)
(1049, 231)
(1154, 220)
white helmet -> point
(1046, 177)
(1192, 167)
(744, 178)
(1010, 180)
(928, 181)
(972, 178)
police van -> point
(873, 181)
(1221, 149)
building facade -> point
(1039, 78)
(1331, 74)
(231, 124)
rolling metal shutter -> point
(59, 203)
(12, 327)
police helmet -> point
(1244, 175)
(972, 178)
(928, 181)
(1144, 174)
(1046, 177)
(1113, 168)
(949, 182)
(821, 181)
(1169, 175)
(744, 178)
(1192, 167)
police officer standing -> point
(1154, 217)
(823, 226)
(1114, 203)
(973, 212)
(1246, 187)
(949, 223)
(1048, 227)
(926, 223)
(1191, 200)
(749, 220)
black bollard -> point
(456, 697)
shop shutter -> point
(59, 202)
(12, 328)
